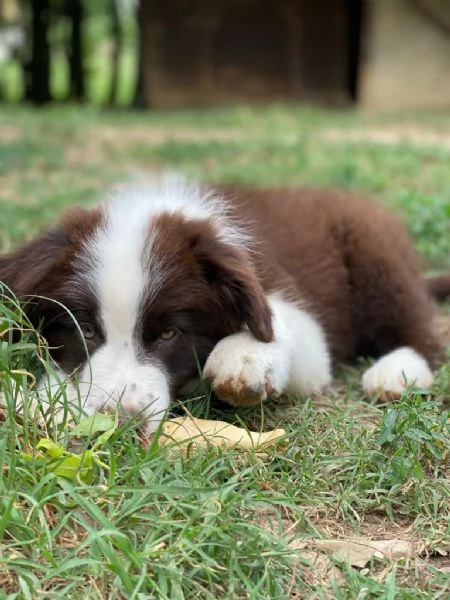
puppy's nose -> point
(131, 406)
(135, 403)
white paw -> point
(244, 371)
(395, 372)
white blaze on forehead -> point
(120, 262)
(118, 278)
(173, 195)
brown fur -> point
(40, 265)
(40, 272)
(201, 267)
(349, 261)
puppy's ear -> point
(229, 270)
(26, 271)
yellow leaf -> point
(66, 464)
(191, 433)
(53, 449)
(359, 551)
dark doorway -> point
(356, 15)
(212, 51)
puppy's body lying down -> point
(262, 289)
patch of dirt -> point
(158, 135)
(375, 537)
(9, 133)
(374, 525)
(8, 186)
(389, 136)
(93, 147)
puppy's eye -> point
(88, 332)
(167, 335)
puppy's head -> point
(132, 299)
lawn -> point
(139, 522)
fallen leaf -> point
(66, 464)
(359, 551)
(72, 466)
(99, 422)
(319, 570)
(192, 433)
(53, 449)
(442, 550)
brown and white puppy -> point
(264, 289)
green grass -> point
(147, 524)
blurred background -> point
(351, 94)
(159, 54)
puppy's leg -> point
(398, 328)
(244, 371)
(395, 371)
(391, 308)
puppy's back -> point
(346, 258)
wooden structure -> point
(215, 51)
(379, 53)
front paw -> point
(244, 371)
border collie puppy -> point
(263, 289)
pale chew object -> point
(203, 433)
